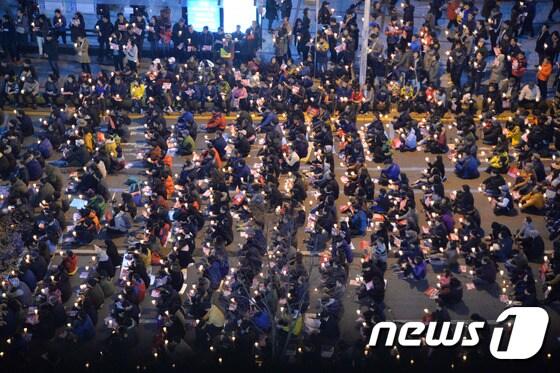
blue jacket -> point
(34, 169)
(268, 122)
(45, 148)
(243, 172)
(392, 172)
(29, 278)
(85, 330)
(382, 204)
(419, 271)
(359, 221)
(262, 320)
(220, 145)
(468, 168)
(347, 251)
(186, 117)
(506, 247)
(415, 46)
(410, 142)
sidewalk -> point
(69, 65)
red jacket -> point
(518, 66)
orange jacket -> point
(217, 122)
(545, 71)
(169, 187)
(168, 161)
(95, 219)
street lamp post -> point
(364, 47)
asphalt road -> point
(404, 300)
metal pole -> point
(364, 47)
(317, 4)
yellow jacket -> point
(515, 136)
(322, 45)
(111, 148)
(499, 160)
(535, 199)
(137, 92)
(296, 326)
(88, 141)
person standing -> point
(22, 33)
(131, 53)
(325, 14)
(153, 36)
(139, 31)
(306, 20)
(8, 34)
(116, 45)
(281, 46)
(51, 50)
(77, 27)
(393, 34)
(301, 39)
(531, 10)
(545, 70)
(192, 44)
(408, 12)
(121, 24)
(82, 51)
(477, 67)
(59, 25)
(238, 41)
(494, 26)
(227, 52)
(179, 38)
(41, 28)
(555, 7)
(271, 13)
(104, 30)
(165, 36)
(288, 32)
(252, 41)
(487, 6)
(286, 9)
(206, 43)
(542, 43)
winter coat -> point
(35, 170)
(497, 72)
(359, 222)
(51, 49)
(271, 10)
(82, 51)
(467, 169)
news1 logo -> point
(525, 340)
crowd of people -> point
(217, 216)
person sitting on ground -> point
(451, 289)
(485, 273)
(533, 202)
(503, 204)
(467, 168)
(217, 122)
(416, 269)
(529, 96)
(464, 200)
